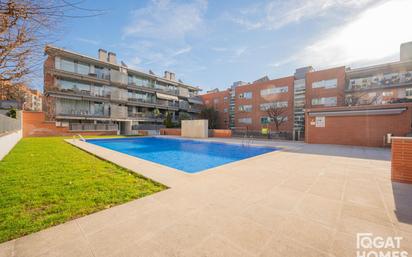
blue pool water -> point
(190, 156)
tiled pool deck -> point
(308, 200)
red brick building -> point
(307, 89)
(220, 101)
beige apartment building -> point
(95, 94)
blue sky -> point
(213, 43)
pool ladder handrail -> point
(247, 141)
(81, 138)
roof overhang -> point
(166, 97)
(366, 112)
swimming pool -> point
(190, 156)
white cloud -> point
(278, 13)
(375, 35)
(164, 19)
(182, 51)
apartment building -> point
(309, 89)
(220, 101)
(86, 93)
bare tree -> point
(26, 26)
(277, 114)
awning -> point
(366, 112)
(167, 97)
(195, 101)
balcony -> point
(141, 100)
(166, 103)
(92, 127)
(84, 93)
(145, 116)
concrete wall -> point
(195, 128)
(8, 124)
(8, 141)
(355, 129)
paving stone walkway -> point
(308, 200)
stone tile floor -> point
(308, 200)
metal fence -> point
(8, 124)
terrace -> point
(306, 200)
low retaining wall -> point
(212, 132)
(402, 159)
(170, 132)
(34, 125)
(8, 141)
(221, 133)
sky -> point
(212, 43)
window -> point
(67, 65)
(83, 68)
(207, 101)
(279, 104)
(330, 83)
(387, 93)
(225, 110)
(273, 90)
(73, 86)
(408, 91)
(245, 120)
(267, 120)
(327, 101)
(245, 108)
(216, 100)
(225, 99)
(245, 95)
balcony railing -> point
(145, 115)
(86, 92)
(93, 127)
(167, 103)
(140, 100)
(82, 113)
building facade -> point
(388, 83)
(85, 93)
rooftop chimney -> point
(172, 76)
(112, 58)
(102, 55)
(167, 75)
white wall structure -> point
(8, 141)
(195, 128)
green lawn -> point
(46, 181)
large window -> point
(273, 90)
(330, 83)
(245, 108)
(245, 95)
(67, 85)
(216, 100)
(408, 92)
(326, 101)
(67, 65)
(83, 68)
(245, 120)
(278, 104)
